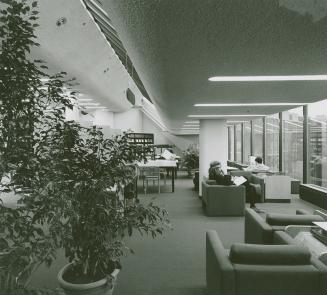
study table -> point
(170, 165)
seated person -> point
(258, 166)
(217, 174)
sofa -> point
(259, 230)
(250, 269)
(257, 182)
(222, 200)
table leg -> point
(173, 180)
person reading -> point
(216, 173)
(257, 166)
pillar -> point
(213, 144)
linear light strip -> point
(247, 104)
(223, 116)
(268, 78)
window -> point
(317, 127)
(258, 138)
(238, 143)
(231, 143)
(293, 143)
(246, 141)
(272, 142)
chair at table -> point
(150, 174)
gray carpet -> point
(174, 263)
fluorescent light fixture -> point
(95, 107)
(223, 116)
(248, 104)
(268, 78)
(89, 104)
(191, 122)
(85, 99)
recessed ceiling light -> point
(190, 128)
(248, 104)
(223, 116)
(268, 78)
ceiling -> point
(176, 45)
(78, 47)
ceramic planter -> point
(101, 287)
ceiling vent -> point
(61, 21)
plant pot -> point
(101, 287)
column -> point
(213, 143)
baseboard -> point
(278, 201)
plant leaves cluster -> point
(191, 158)
(73, 178)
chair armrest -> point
(257, 231)
(219, 271)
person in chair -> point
(251, 192)
(216, 173)
(258, 166)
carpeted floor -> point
(174, 263)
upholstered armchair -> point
(261, 269)
(222, 200)
(259, 230)
(257, 183)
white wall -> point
(131, 119)
(103, 118)
(182, 142)
(213, 142)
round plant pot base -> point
(101, 287)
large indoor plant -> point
(191, 159)
(84, 187)
(73, 177)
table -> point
(302, 236)
(170, 165)
(277, 188)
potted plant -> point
(84, 190)
(191, 159)
(74, 179)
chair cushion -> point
(269, 254)
(286, 219)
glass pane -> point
(257, 138)
(238, 143)
(272, 142)
(293, 143)
(231, 143)
(246, 142)
(317, 121)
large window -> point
(231, 143)
(258, 138)
(272, 142)
(317, 127)
(293, 143)
(246, 141)
(238, 137)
